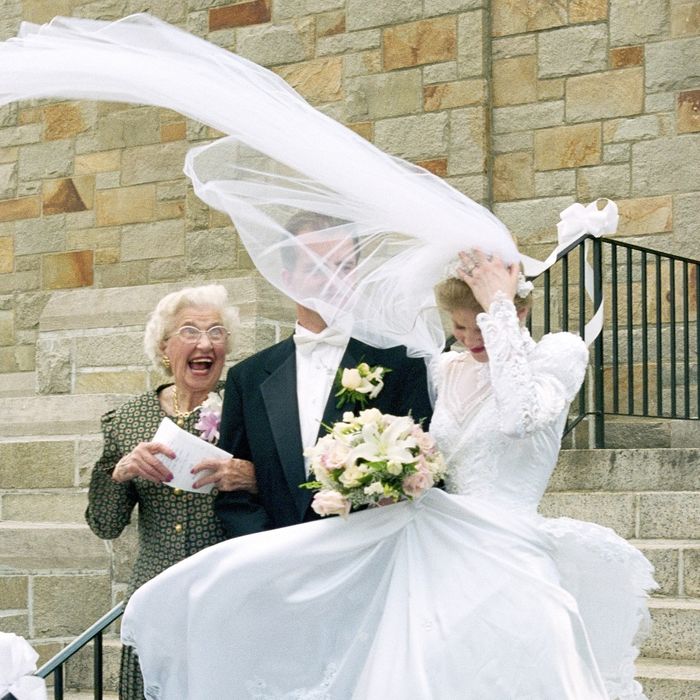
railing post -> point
(598, 389)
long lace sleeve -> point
(532, 385)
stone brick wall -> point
(525, 105)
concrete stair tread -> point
(681, 669)
(673, 603)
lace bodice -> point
(499, 424)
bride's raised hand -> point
(487, 275)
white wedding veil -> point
(282, 161)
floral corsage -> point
(359, 384)
(210, 417)
(373, 459)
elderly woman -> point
(188, 335)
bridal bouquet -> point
(372, 459)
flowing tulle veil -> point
(280, 157)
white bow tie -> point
(306, 341)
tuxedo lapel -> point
(355, 353)
(279, 392)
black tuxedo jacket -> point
(260, 422)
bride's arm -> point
(532, 389)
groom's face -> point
(321, 265)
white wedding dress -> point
(466, 594)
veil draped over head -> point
(298, 185)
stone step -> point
(651, 469)
(36, 548)
(675, 632)
(61, 414)
(624, 431)
(642, 515)
(668, 679)
(676, 565)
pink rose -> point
(415, 484)
(330, 503)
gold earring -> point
(165, 361)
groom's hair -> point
(308, 222)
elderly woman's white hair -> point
(161, 322)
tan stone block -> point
(513, 176)
(514, 80)
(153, 163)
(239, 15)
(688, 114)
(330, 24)
(68, 194)
(92, 238)
(455, 94)
(101, 162)
(642, 216)
(128, 382)
(40, 11)
(685, 19)
(124, 349)
(364, 129)
(107, 256)
(7, 327)
(20, 208)
(7, 255)
(175, 131)
(626, 56)
(67, 270)
(9, 155)
(64, 507)
(15, 623)
(37, 464)
(55, 611)
(518, 16)
(155, 240)
(552, 89)
(416, 43)
(587, 10)
(437, 166)
(128, 274)
(125, 205)
(691, 571)
(363, 63)
(567, 147)
(319, 80)
(63, 121)
(19, 358)
(14, 594)
(603, 95)
(32, 115)
(169, 210)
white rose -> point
(351, 379)
(369, 416)
(348, 417)
(375, 488)
(330, 503)
(394, 467)
(351, 477)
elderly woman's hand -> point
(227, 474)
(142, 461)
(487, 275)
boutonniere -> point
(359, 384)
(210, 417)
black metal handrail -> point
(94, 632)
(649, 334)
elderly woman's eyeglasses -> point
(190, 334)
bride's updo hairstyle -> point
(453, 294)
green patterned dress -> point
(172, 523)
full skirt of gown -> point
(444, 597)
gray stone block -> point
(675, 629)
(665, 559)
(37, 464)
(421, 136)
(32, 548)
(672, 65)
(669, 679)
(526, 117)
(638, 22)
(385, 95)
(616, 511)
(65, 507)
(669, 515)
(572, 50)
(665, 166)
(360, 14)
(271, 45)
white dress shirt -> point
(318, 356)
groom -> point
(276, 400)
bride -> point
(464, 594)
